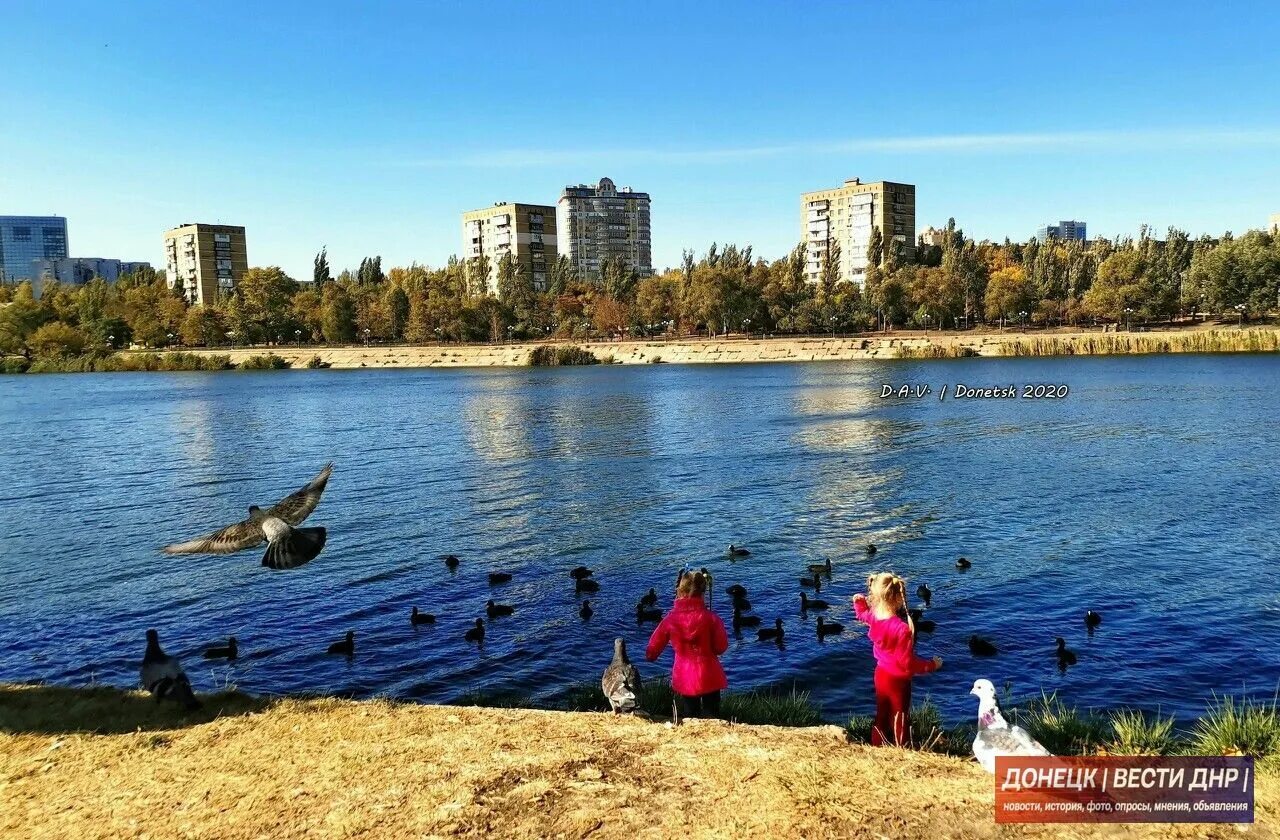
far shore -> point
(738, 349)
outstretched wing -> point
(229, 540)
(297, 506)
(291, 547)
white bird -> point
(995, 735)
(621, 680)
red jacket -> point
(892, 643)
(698, 638)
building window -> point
(22, 234)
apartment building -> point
(603, 222)
(205, 261)
(525, 231)
(26, 239)
(1065, 229)
(76, 271)
(933, 236)
(846, 216)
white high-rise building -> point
(603, 222)
(846, 216)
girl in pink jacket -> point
(893, 640)
(698, 637)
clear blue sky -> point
(371, 129)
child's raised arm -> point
(861, 609)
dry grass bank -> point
(104, 763)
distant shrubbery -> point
(270, 361)
(546, 355)
(315, 362)
(116, 363)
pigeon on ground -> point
(163, 676)
(995, 735)
(295, 543)
(621, 681)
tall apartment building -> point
(25, 239)
(603, 222)
(846, 215)
(525, 231)
(1062, 230)
(205, 260)
(76, 271)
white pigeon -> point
(995, 735)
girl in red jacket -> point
(697, 635)
(893, 640)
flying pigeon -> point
(995, 735)
(288, 546)
(163, 676)
(621, 680)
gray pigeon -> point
(621, 681)
(163, 676)
(289, 546)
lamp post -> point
(510, 327)
(746, 327)
(111, 339)
(1201, 308)
(926, 324)
(1240, 309)
(1022, 316)
(833, 326)
(1128, 325)
(170, 337)
(439, 335)
(297, 336)
(366, 336)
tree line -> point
(959, 283)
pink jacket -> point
(891, 643)
(698, 638)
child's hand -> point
(859, 597)
(937, 662)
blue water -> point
(1150, 494)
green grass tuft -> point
(1136, 733)
(1239, 726)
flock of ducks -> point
(290, 546)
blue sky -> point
(370, 127)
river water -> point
(1150, 493)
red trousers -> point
(893, 710)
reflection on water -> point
(1148, 495)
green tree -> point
(338, 318)
(1009, 292)
(320, 269)
(56, 340)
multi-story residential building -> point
(77, 271)
(204, 261)
(846, 216)
(525, 231)
(601, 223)
(1274, 225)
(25, 239)
(1062, 230)
(933, 236)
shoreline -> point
(782, 349)
(102, 762)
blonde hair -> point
(691, 584)
(886, 592)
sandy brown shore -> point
(102, 763)
(739, 350)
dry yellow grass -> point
(104, 763)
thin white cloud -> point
(1110, 141)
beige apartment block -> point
(846, 215)
(205, 261)
(525, 231)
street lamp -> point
(439, 335)
(111, 339)
(170, 337)
(833, 326)
(1023, 316)
(746, 326)
(366, 336)
(510, 327)
(1240, 309)
(926, 323)
(297, 334)
(1128, 311)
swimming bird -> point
(807, 603)
(740, 620)
(288, 512)
(585, 610)
(815, 581)
(1092, 619)
(828, 628)
(416, 617)
(650, 599)
(643, 614)
(871, 548)
(924, 593)
(585, 585)
(963, 564)
(621, 681)
(497, 610)
(1065, 657)
(736, 591)
(979, 646)
(774, 634)
(995, 736)
(741, 603)
(231, 651)
(347, 647)
(737, 551)
(580, 572)
(163, 676)
(475, 634)
(496, 578)
(452, 561)
(824, 568)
